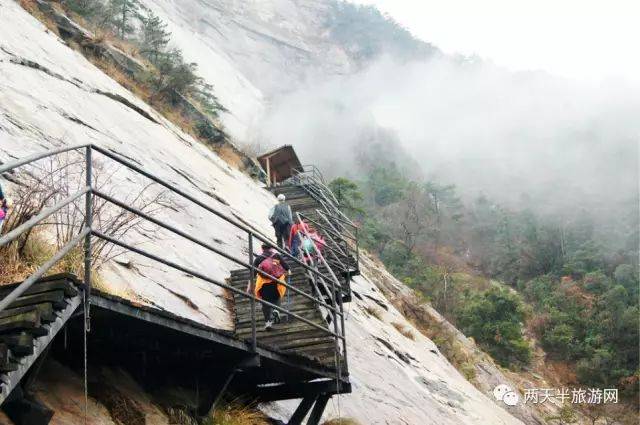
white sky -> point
(582, 39)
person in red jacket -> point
(272, 263)
(297, 232)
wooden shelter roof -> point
(280, 163)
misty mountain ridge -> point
(522, 138)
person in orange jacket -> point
(271, 263)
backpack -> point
(281, 214)
(271, 213)
(271, 266)
(318, 241)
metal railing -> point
(334, 293)
(311, 180)
(89, 231)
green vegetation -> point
(169, 77)
(348, 195)
(577, 273)
(366, 33)
(592, 321)
(494, 319)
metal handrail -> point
(13, 234)
(201, 204)
(335, 283)
(328, 230)
(327, 199)
(87, 231)
(331, 293)
(356, 248)
(200, 242)
(205, 278)
(313, 183)
(35, 157)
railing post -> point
(88, 223)
(344, 341)
(254, 342)
(357, 249)
(336, 329)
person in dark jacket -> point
(281, 219)
(266, 288)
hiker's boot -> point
(275, 316)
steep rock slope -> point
(51, 96)
(251, 51)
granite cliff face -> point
(51, 96)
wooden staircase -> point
(290, 336)
(30, 324)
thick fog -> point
(514, 136)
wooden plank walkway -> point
(290, 336)
(30, 324)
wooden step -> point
(21, 321)
(282, 328)
(29, 324)
(290, 336)
(46, 312)
(245, 310)
(56, 298)
(290, 340)
(301, 343)
(20, 343)
(40, 287)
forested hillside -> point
(509, 200)
(511, 278)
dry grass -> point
(373, 311)
(121, 77)
(341, 421)
(230, 155)
(443, 338)
(173, 115)
(20, 262)
(122, 408)
(406, 332)
(234, 414)
(17, 264)
(231, 414)
(32, 7)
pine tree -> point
(155, 37)
(87, 8)
(122, 13)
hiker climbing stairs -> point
(314, 209)
(30, 323)
(290, 336)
